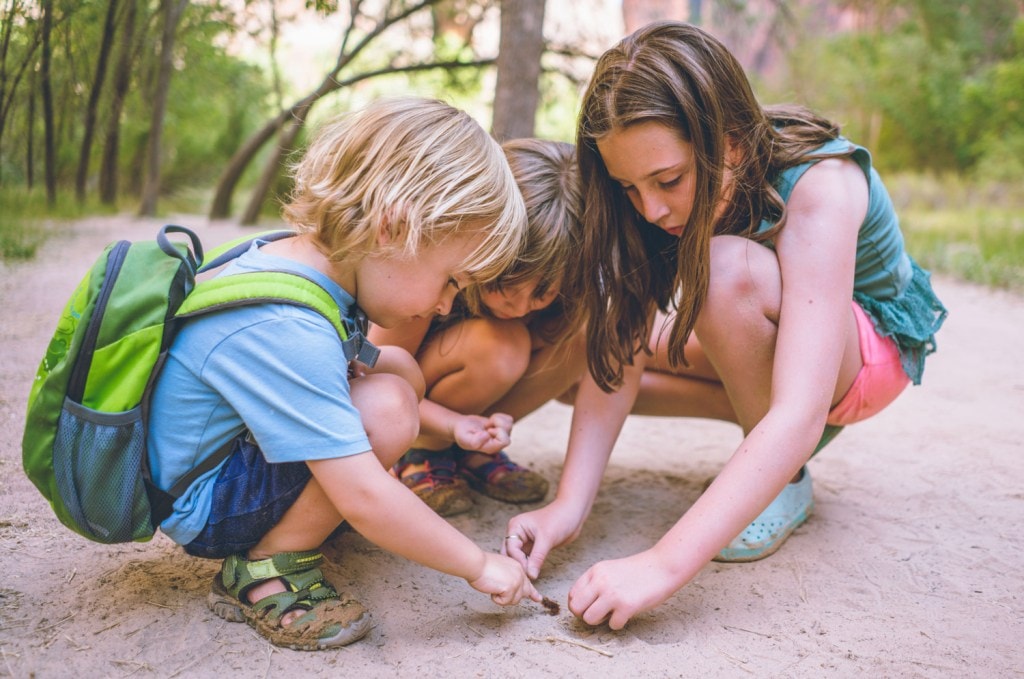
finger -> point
(503, 420)
(586, 603)
(618, 619)
(513, 546)
(537, 550)
(531, 591)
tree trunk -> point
(109, 28)
(30, 136)
(122, 80)
(46, 87)
(285, 145)
(220, 208)
(172, 10)
(520, 48)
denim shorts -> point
(250, 496)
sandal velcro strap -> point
(439, 467)
(239, 574)
(325, 618)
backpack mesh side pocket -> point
(97, 465)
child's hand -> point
(504, 580)
(532, 535)
(488, 435)
(615, 591)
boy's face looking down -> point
(395, 288)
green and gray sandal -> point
(330, 619)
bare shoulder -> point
(835, 185)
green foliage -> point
(993, 132)
(971, 230)
(929, 86)
(216, 98)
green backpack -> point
(84, 445)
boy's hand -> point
(488, 435)
(504, 580)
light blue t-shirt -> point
(278, 370)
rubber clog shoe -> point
(774, 525)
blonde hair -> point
(548, 178)
(418, 169)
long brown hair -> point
(681, 77)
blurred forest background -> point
(196, 106)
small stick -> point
(748, 631)
(573, 643)
(3, 652)
(75, 644)
(52, 625)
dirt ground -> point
(910, 567)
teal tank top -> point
(888, 284)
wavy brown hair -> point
(548, 178)
(681, 77)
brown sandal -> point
(438, 483)
(502, 479)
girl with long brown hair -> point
(745, 263)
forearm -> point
(437, 421)
(369, 499)
(765, 461)
(597, 420)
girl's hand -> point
(530, 536)
(615, 591)
(488, 435)
(504, 580)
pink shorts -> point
(880, 380)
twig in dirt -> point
(748, 631)
(71, 576)
(573, 643)
(136, 631)
(270, 661)
(138, 665)
(153, 603)
(476, 632)
(75, 644)
(59, 622)
(3, 652)
(188, 666)
(734, 660)
(107, 627)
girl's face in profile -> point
(658, 172)
(656, 169)
(515, 301)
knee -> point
(398, 361)
(389, 409)
(744, 285)
(499, 349)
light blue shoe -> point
(769, 530)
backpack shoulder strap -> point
(256, 287)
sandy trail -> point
(910, 567)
